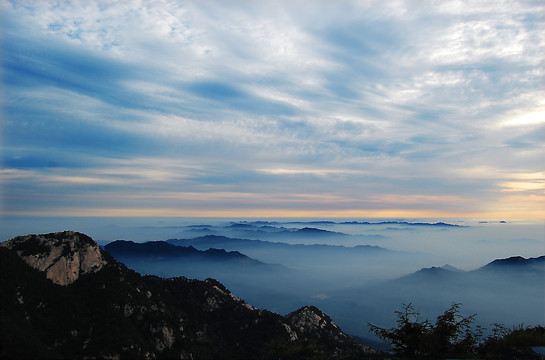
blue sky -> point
(273, 108)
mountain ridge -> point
(162, 249)
(516, 263)
(112, 312)
(211, 240)
(502, 265)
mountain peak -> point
(516, 263)
(513, 260)
(309, 318)
(63, 256)
(450, 268)
(309, 321)
(140, 316)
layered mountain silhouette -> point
(161, 250)
(64, 297)
(513, 268)
(509, 291)
(516, 264)
(283, 250)
(163, 259)
(329, 222)
(273, 232)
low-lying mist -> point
(356, 271)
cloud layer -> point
(273, 108)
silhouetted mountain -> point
(163, 259)
(219, 242)
(312, 269)
(64, 297)
(451, 268)
(159, 250)
(267, 232)
(505, 290)
(200, 230)
(430, 273)
(328, 222)
(309, 231)
(230, 244)
(300, 256)
(271, 231)
(515, 264)
(440, 224)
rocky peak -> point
(141, 316)
(310, 319)
(63, 256)
(311, 322)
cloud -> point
(532, 118)
(341, 99)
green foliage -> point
(512, 343)
(32, 246)
(452, 336)
(414, 339)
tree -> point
(512, 343)
(451, 335)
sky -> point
(273, 108)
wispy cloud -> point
(277, 100)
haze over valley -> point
(357, 271)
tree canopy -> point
(454, 336)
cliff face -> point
(96, 307)
(63, 256)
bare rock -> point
(311, 322)
(63, 256)
(310, 319)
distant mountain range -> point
(162, 250)
(282, 231)
(516, 266)
(269, 232)
(481, 290)
(167, 260)
(94, 306)
(327, 222)
(64, 297)
(509, 290)
(314, 257)
(261, 247)
(272, 275)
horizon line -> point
(368, 214)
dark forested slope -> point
(64, 297)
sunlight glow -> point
(533, 118)
(507, 211)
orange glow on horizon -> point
(281, 213)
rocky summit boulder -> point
(63, 256)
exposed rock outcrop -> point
(105, 310)
(311, 321)
(63, 256)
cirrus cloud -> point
(275, 100)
